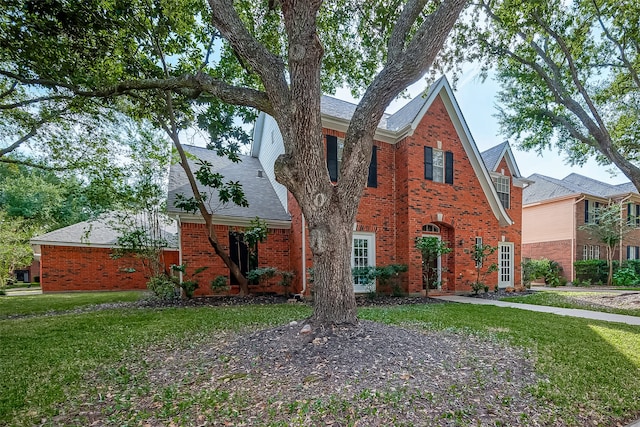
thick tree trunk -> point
(334, 300)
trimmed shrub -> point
(592, 270)
(163, 287)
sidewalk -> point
(572, 312)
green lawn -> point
(590, 366)
(563, 300)
(36, 304)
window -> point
(591, 252)
(590, 211)
(438, 165)
(503, 188)
(633, 215)
(335, 146)
(431, 228)
(633, 252)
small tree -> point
(608, 227)
(431, 249)
(14, 246)
(480, 253)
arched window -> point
(430, 228)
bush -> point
(479, 286)
(163, 287)
(546, 269)
(625, 277)
(387, 275)
(593, 270)
(219, 284)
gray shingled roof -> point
(102, 231)
(333, 107)
(492, 156)
(546, 188)
(263, 201)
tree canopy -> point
(569, 75)
(176, 63)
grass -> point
(38, 304)
(589, 366)
(563, 300)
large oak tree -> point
(178, 61)
(569, 74)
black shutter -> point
(596, 214)
(637, 216)
(332, 157)
(586, 211)
(372, 180)
(628, 252)
(637, 252)
(628, 213)
(428, 163)
(448, 167)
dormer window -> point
(503, 188)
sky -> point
(477, 102)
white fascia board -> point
(342, 125)
(258, 129)
(232, 221)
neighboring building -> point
(426, 178)
(80, 258)
(555, 209)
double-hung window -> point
(335, 146)
(438, 165)
(503, 188)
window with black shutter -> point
(332, 157)
(438, 165)
(372, 179)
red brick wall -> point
(197, 252)
(558, 251)
(465, 209)
(404, 201)
(76, 268)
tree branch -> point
(196, 83)
(405, 21)
(623, 55)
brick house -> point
(555, 209)
(426, 178)
(80, 258)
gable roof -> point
(262, 198)
(392, 128)
(103, 231)
(547, 188)
(494, 155)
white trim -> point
(438, 261)
(511, 246)
(233, 221)
(371, 257)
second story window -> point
(335, 146)
(438, 165)
(590, 211)
(633, 214)
(503, 187)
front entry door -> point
(505, 264)
(363, 255)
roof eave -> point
(232, 221)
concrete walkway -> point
(572, 312)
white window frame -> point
(503, 188)
(370, 238)
(438, 165)
(591, 252)
(505, 271)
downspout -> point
(624, 199)
(574, 240)
(179, 224)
